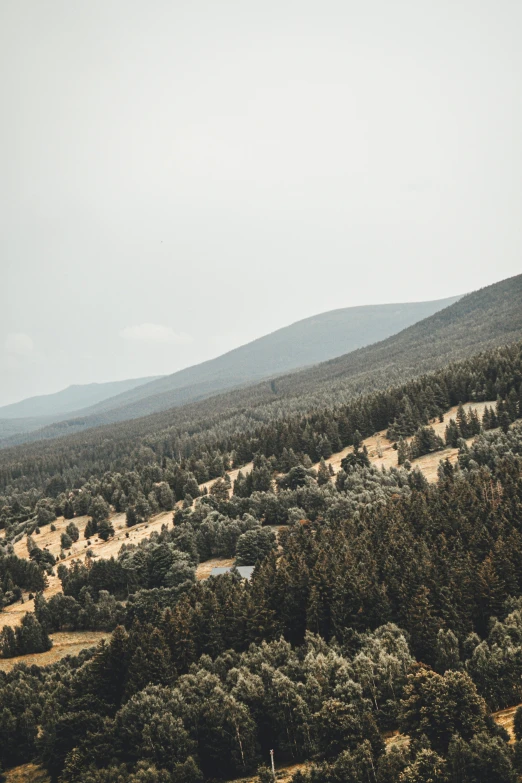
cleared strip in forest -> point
(381, 451)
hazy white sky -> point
(177, 178)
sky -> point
(179, 178)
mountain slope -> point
(487, 318)
(71, 399)
(35, 412)
(483, 319)
(301, 344)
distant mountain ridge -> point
(35, 412)
(482, 320)
(302, 344)
(70, 399)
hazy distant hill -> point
(46, 408)
(484, 319)
(301, 344)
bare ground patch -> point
(381, 451)
(27, 773)
(64, 643)
(12, 614)
(203, 570)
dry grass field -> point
(505, 719)
(381, 451)
(27, 773)
(203, 570)
(12, 615)
(64, 643)
(50, 539)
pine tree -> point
(72, 531)
(323, 474)
(105, 530)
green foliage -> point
(28, 637)
(73, 532)
(66, 541)
(439, 706)
(105, 530)
(254, 545)
(379, 577)
(517, 724)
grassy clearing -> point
(203, 570)
(27, 773)
(505, 719)
(64, 643)
(12, 614)
(50, 539)
(381, 451)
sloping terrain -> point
(380, 452)
(301, 344)
(484, 319)
(64, 643)
(35, 412)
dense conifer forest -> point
(379, 602)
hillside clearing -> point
(380, 452)
(27, 773)
(203, 570)
(64, 643)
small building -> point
(244, 571)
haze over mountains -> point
(35, 412)
(484, 319)
(481, 320)
(304, 343)
(71, 399)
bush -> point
(105, 530)
(66, 541)
(254, 545)
(72, 531)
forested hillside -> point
(304, 343)
(492, 316)
(385, 604)
(378, 602)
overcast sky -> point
(180, 177)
